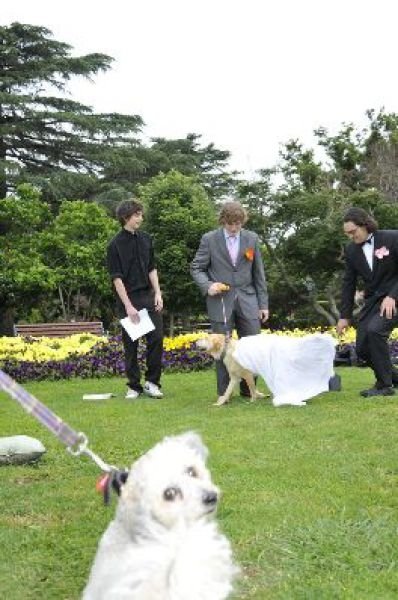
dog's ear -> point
(218, 342)
(217, 345)
(118, 480)
(194, 441)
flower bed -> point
(87, 355)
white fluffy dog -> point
(164, 543)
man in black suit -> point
(372, 255)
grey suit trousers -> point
(244, 327)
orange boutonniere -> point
(249, 254)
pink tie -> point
(233, 248)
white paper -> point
(137, 330)
(98, 396)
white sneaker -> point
(152, 390)
(131, 394)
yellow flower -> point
(45, 349)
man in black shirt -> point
(131, 265)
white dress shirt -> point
(368, 250)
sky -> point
(248, 75)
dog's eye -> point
(192, 472)
(171, 493)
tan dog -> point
(222, 348)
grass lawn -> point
(310, 494)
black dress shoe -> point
(378, 391)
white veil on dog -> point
(294, 369)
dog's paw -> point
(221, 400)
(259, 394)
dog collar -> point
(114, 480)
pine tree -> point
(44, 134)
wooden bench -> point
(200, 326)
(58, 329)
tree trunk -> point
(171, 323)
(186, 322)
(77, 303)
(3, 177)
(322, 311)
(61, 299)
(3, 185)
(68, 305)
(331, 315)
(7, 321)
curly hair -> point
(361, 218)
(232, 212)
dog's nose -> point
(209, 498)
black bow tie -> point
(368, 241)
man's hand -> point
(215, 288)
(341, 325)
(263, 314)
(158, 302)
(133, 314)
(388, 307)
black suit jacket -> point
(380, 282)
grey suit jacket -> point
(246, 279)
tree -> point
(299, 168)
(297, 227)
(24, 276)
(136, 164)
(177, 214)
(366, 158)
(346, 151)
(74, 248)
(380, 165)
(43, 136)
(188, 157)
(300, 221)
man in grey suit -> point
(230, 255)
